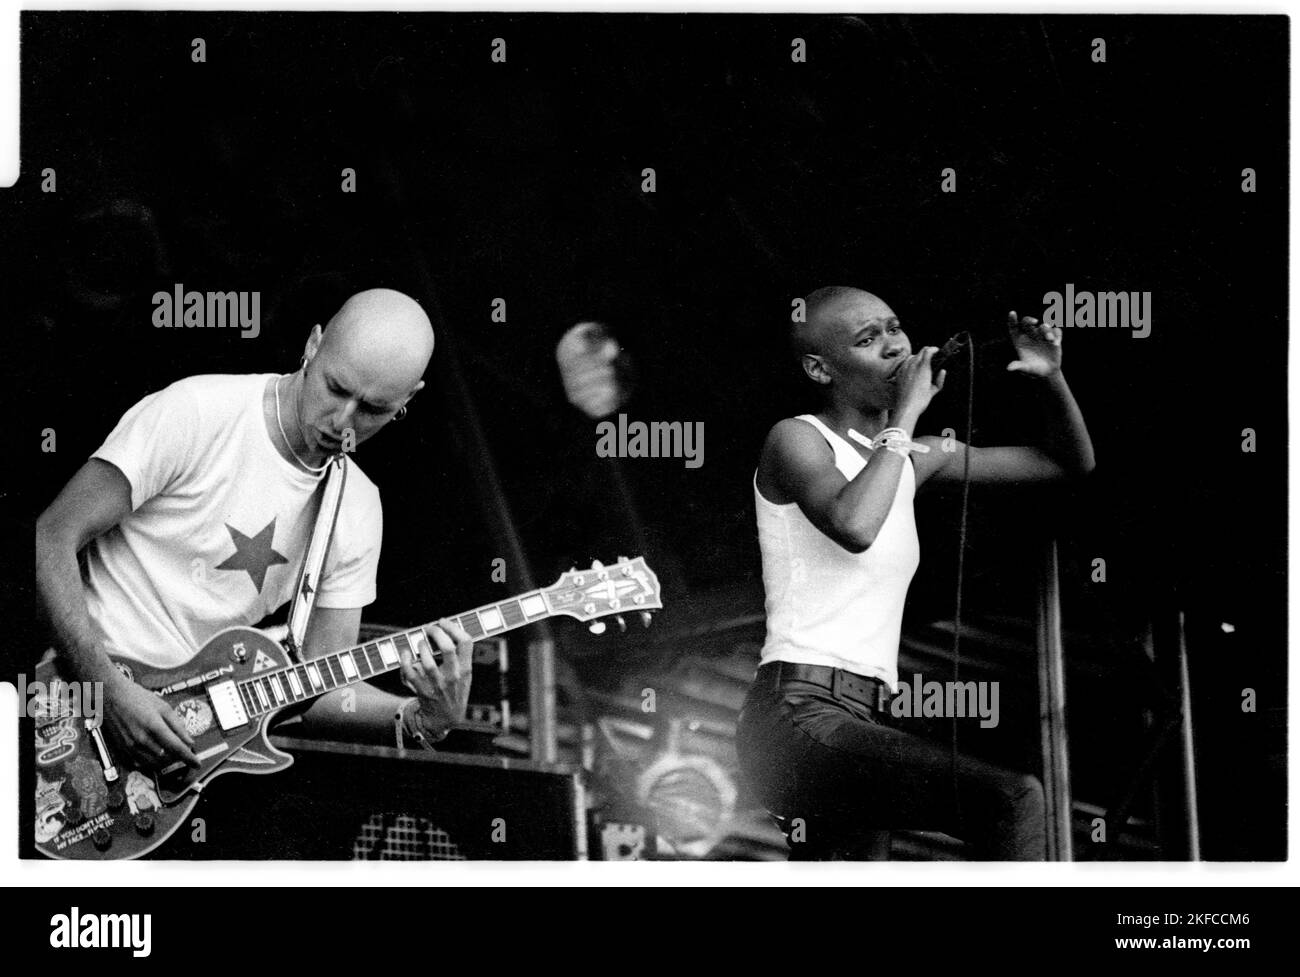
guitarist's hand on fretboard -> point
(443, 688)
(146, 732)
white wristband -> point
(893, 439)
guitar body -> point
(92, 805)
(89, 809)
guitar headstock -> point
(625, 586)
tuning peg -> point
(597, 627)
(597, 565)
(573, 569)
(622, 625)
(645, 619)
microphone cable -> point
(961, 568)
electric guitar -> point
(89, 807)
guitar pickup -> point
(227, 705)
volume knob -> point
(144, 825)
(102, 840)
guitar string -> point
(473, 616)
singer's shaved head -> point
(849, 345)
(830, 311)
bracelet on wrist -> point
(893, 439)
(407, 725)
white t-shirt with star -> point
(219, 524)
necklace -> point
(287, 443)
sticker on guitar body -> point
(140, 795)
(197, 715)
(68, 838)
(56, 741)
(50, 805)
(197, 679)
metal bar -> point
(580, 818)
(1051, 710)
(1149, 721)
(1188, 747)
(541, 700)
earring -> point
(401, 412)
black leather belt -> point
(869, 692)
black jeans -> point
(845, 769)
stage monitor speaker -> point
(343, 801)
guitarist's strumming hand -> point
(443, 689)
(143, 725)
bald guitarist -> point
(194, 515)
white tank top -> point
(825, 605)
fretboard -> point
(279, 687)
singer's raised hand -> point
(1038, 346)
(917, 383)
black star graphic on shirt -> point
(253, 553)
(306, 590)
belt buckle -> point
(841, 681)
(857, 689)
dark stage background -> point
(523, 181)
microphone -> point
(953, 352)
(949, 351)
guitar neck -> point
(276, 688)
